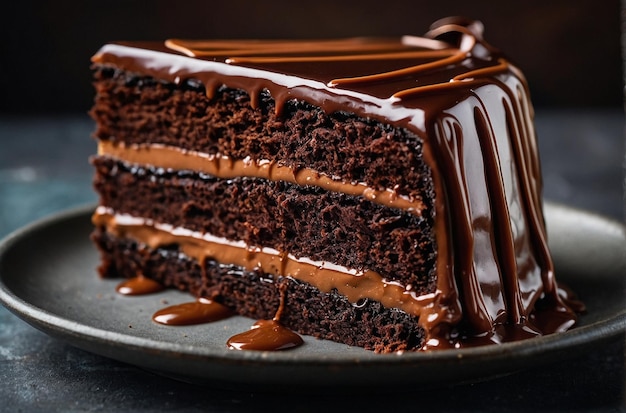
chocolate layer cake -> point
(383, 193)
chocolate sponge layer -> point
(139, 109)
(304, 221)
(255, 294)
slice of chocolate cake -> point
(383, 193)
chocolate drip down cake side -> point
(379, 192)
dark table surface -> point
(44, 169)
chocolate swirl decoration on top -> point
(471, 108)
(429, 54)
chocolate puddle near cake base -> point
(264, 335)
(267, 335)
(196, 312)
(139, 285)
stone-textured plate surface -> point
(48, 278)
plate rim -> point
(84, 336)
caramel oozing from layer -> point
(168, 157)
(354, 285)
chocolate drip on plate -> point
(139, 285)
(265, 335)
(196, 312)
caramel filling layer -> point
(353, 284)
(169, 157)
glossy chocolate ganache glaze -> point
(465, 101)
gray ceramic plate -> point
(48, 278)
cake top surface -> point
(368, 76)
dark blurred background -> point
(569, 50)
